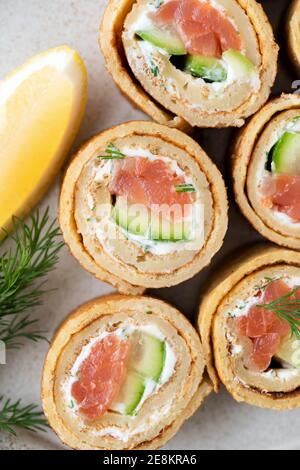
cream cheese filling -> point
(125, 436)
(152, 55)
(236, 349)
(107, 228)
(291, 126)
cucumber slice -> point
(164, 230)
(136, 220)
(169, 42)
(290, 351)
(208, 68)
(130, 394)
(148, 355)
(286, 154)
(241, 66)
(133, 219)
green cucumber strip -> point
(208, 68)
(148, 355)
(130, 394)
(163, 39)
(286, 154)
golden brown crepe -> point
(112, 48)
(276, 388)
(162, 412)
(248, 161)
(293, 28)
(174, 97)
(128, 263)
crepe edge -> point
(243, 148)
(48, 374)
(180, 140)
(243, 264)
(111, 45)
(293, 33)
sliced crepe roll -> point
(266, 171)
(143, 206)
(293, 27)
(249, 321)
(207, 63)
(123, 373)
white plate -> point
(220, 423)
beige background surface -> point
(31, 26)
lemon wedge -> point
(41, 107)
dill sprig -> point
(287, 308)
(34, 253)
(14, 414)
(154, 69)
(13, 332)
(157, 3)
(112, 153)
(185, 188)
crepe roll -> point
(123, 372)
(202, 62)
(142, 206)
(266, 171)
(249, 321)
(293, 29)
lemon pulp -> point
(37, 123)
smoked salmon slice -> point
(209, 45)
(263, 327)
(166, 13)
(151, 183)
(101, 376)
(283, 193)
(203, 29)
(264, 349)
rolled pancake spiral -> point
(293, 30)
(147, 92)
(111, 45)
(249, 152)
(122, 263)
(163, 413)
(229, 287)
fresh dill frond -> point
(13, 332)
(269, 280)
(157, 3)
(34, 253)
(154, 69)
(185, 188)
(14, 414)
(287, 308)
(112, 153)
